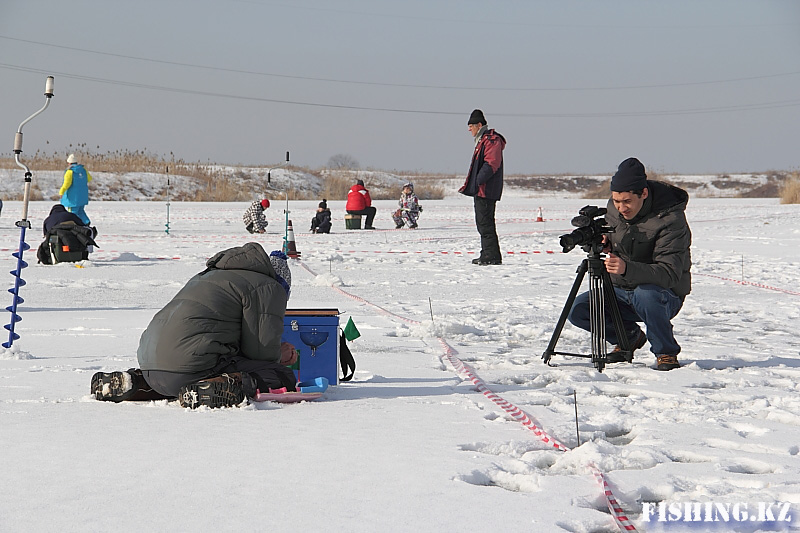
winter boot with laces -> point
(616, 354)
(115, 386)
(667, 362)
(225, 390)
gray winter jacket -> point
(235, 307)
(654, 244)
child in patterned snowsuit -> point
(254, 219)
(409, 208)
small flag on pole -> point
(351, 332)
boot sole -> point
(211, 395)
(112, 387)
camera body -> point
(591, 226)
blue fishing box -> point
(315, 335)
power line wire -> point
(407, 85)
(694, 111)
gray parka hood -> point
(251, 257)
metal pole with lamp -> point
(286, 211)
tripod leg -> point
(551, 347)
(597, 314)
(616, 316)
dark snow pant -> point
(484, 220)
(268, 375)
(325, 227)
(369, 212)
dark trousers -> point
(484, 220)
(369, 212)
(324, 227)
(268, 375)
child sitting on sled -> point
(409, 208)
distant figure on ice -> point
(649, 262)
(485, 184)
(409, 208)
(254, 219)
(321, 223)
(218, 340)
(360, 203)
(75, 189)
(66, 238)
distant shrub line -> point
(213, 184)
(217, 185)
(790, 192)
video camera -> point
(590, 226)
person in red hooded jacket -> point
(485, 184)
(360, 203)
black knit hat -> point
(630, 176)
(323, 204)
(476, 118)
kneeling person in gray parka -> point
(218, 340)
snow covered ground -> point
(410, 444)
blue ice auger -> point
(23, 224)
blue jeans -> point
(651, 304)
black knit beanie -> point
(323, 204)
(476, 118)
(630, 176)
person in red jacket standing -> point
(360, 203)
(485, 184)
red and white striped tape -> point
(433, 252)
(515, 412)
(741, 282)
(617, 513)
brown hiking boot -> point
(225, 390)
(667, 362)
(616, 354)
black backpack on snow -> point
(66, 242)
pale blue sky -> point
(575, 87)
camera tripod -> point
(601, 296)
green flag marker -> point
(351, 332)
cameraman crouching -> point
(648, 260)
